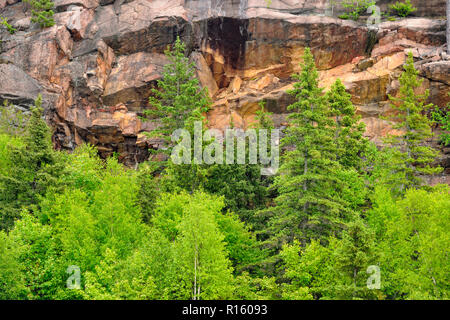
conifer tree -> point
(243, 186)
(349, 134)
(413, 156)
(309, 204)
(179, 99)
(178, 103)
(354, 254)
(35, 167)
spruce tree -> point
(354, 254)
(309, 204)
(413, 156)
(349, 135)
(179, 100)
(243, 186)
(35, 168)
(178, 103)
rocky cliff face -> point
(97, 65)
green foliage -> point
(8, 27)
(11, 279)
(240, 244)
(42, 12)
(334, 271)
(200, 256)
(442, 118)
(251, 288)
(356, 8)
(403, 9)
(354, 253)
(306, 269)
(116, 279)
(310, 203)
(349, 132)
(179, 100)
(263, 117)
(415, 128)
(413, 239)
(148, 193)
(34, 169)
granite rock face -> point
(97, 65)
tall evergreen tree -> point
(177, 103)
(349, 134)
(179, 100)
(413, 156)
(309, 204)
(205, 270)
(35, 168)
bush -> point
(356, 8)
(442, 118)
(5, 23)
(403, 9)
(42, 12)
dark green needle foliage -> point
(349, 133)
(310, 204)
(42, 12)
(34, 168)
(413, 156)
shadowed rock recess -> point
(95, 68)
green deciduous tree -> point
(414, 243)
(201, 257)
(334, 271)
(240, 244)
(12, 284)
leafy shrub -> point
(403, 9)
(356, 8)
(42, 12)
(5, 23)
(443, 119)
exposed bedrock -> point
(96, 67)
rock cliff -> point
(97, 65)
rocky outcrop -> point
(96, 67)
(17, 86)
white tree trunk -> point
(448, 26)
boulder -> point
(131, 81)
(17, 86)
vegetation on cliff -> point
(334, 224)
